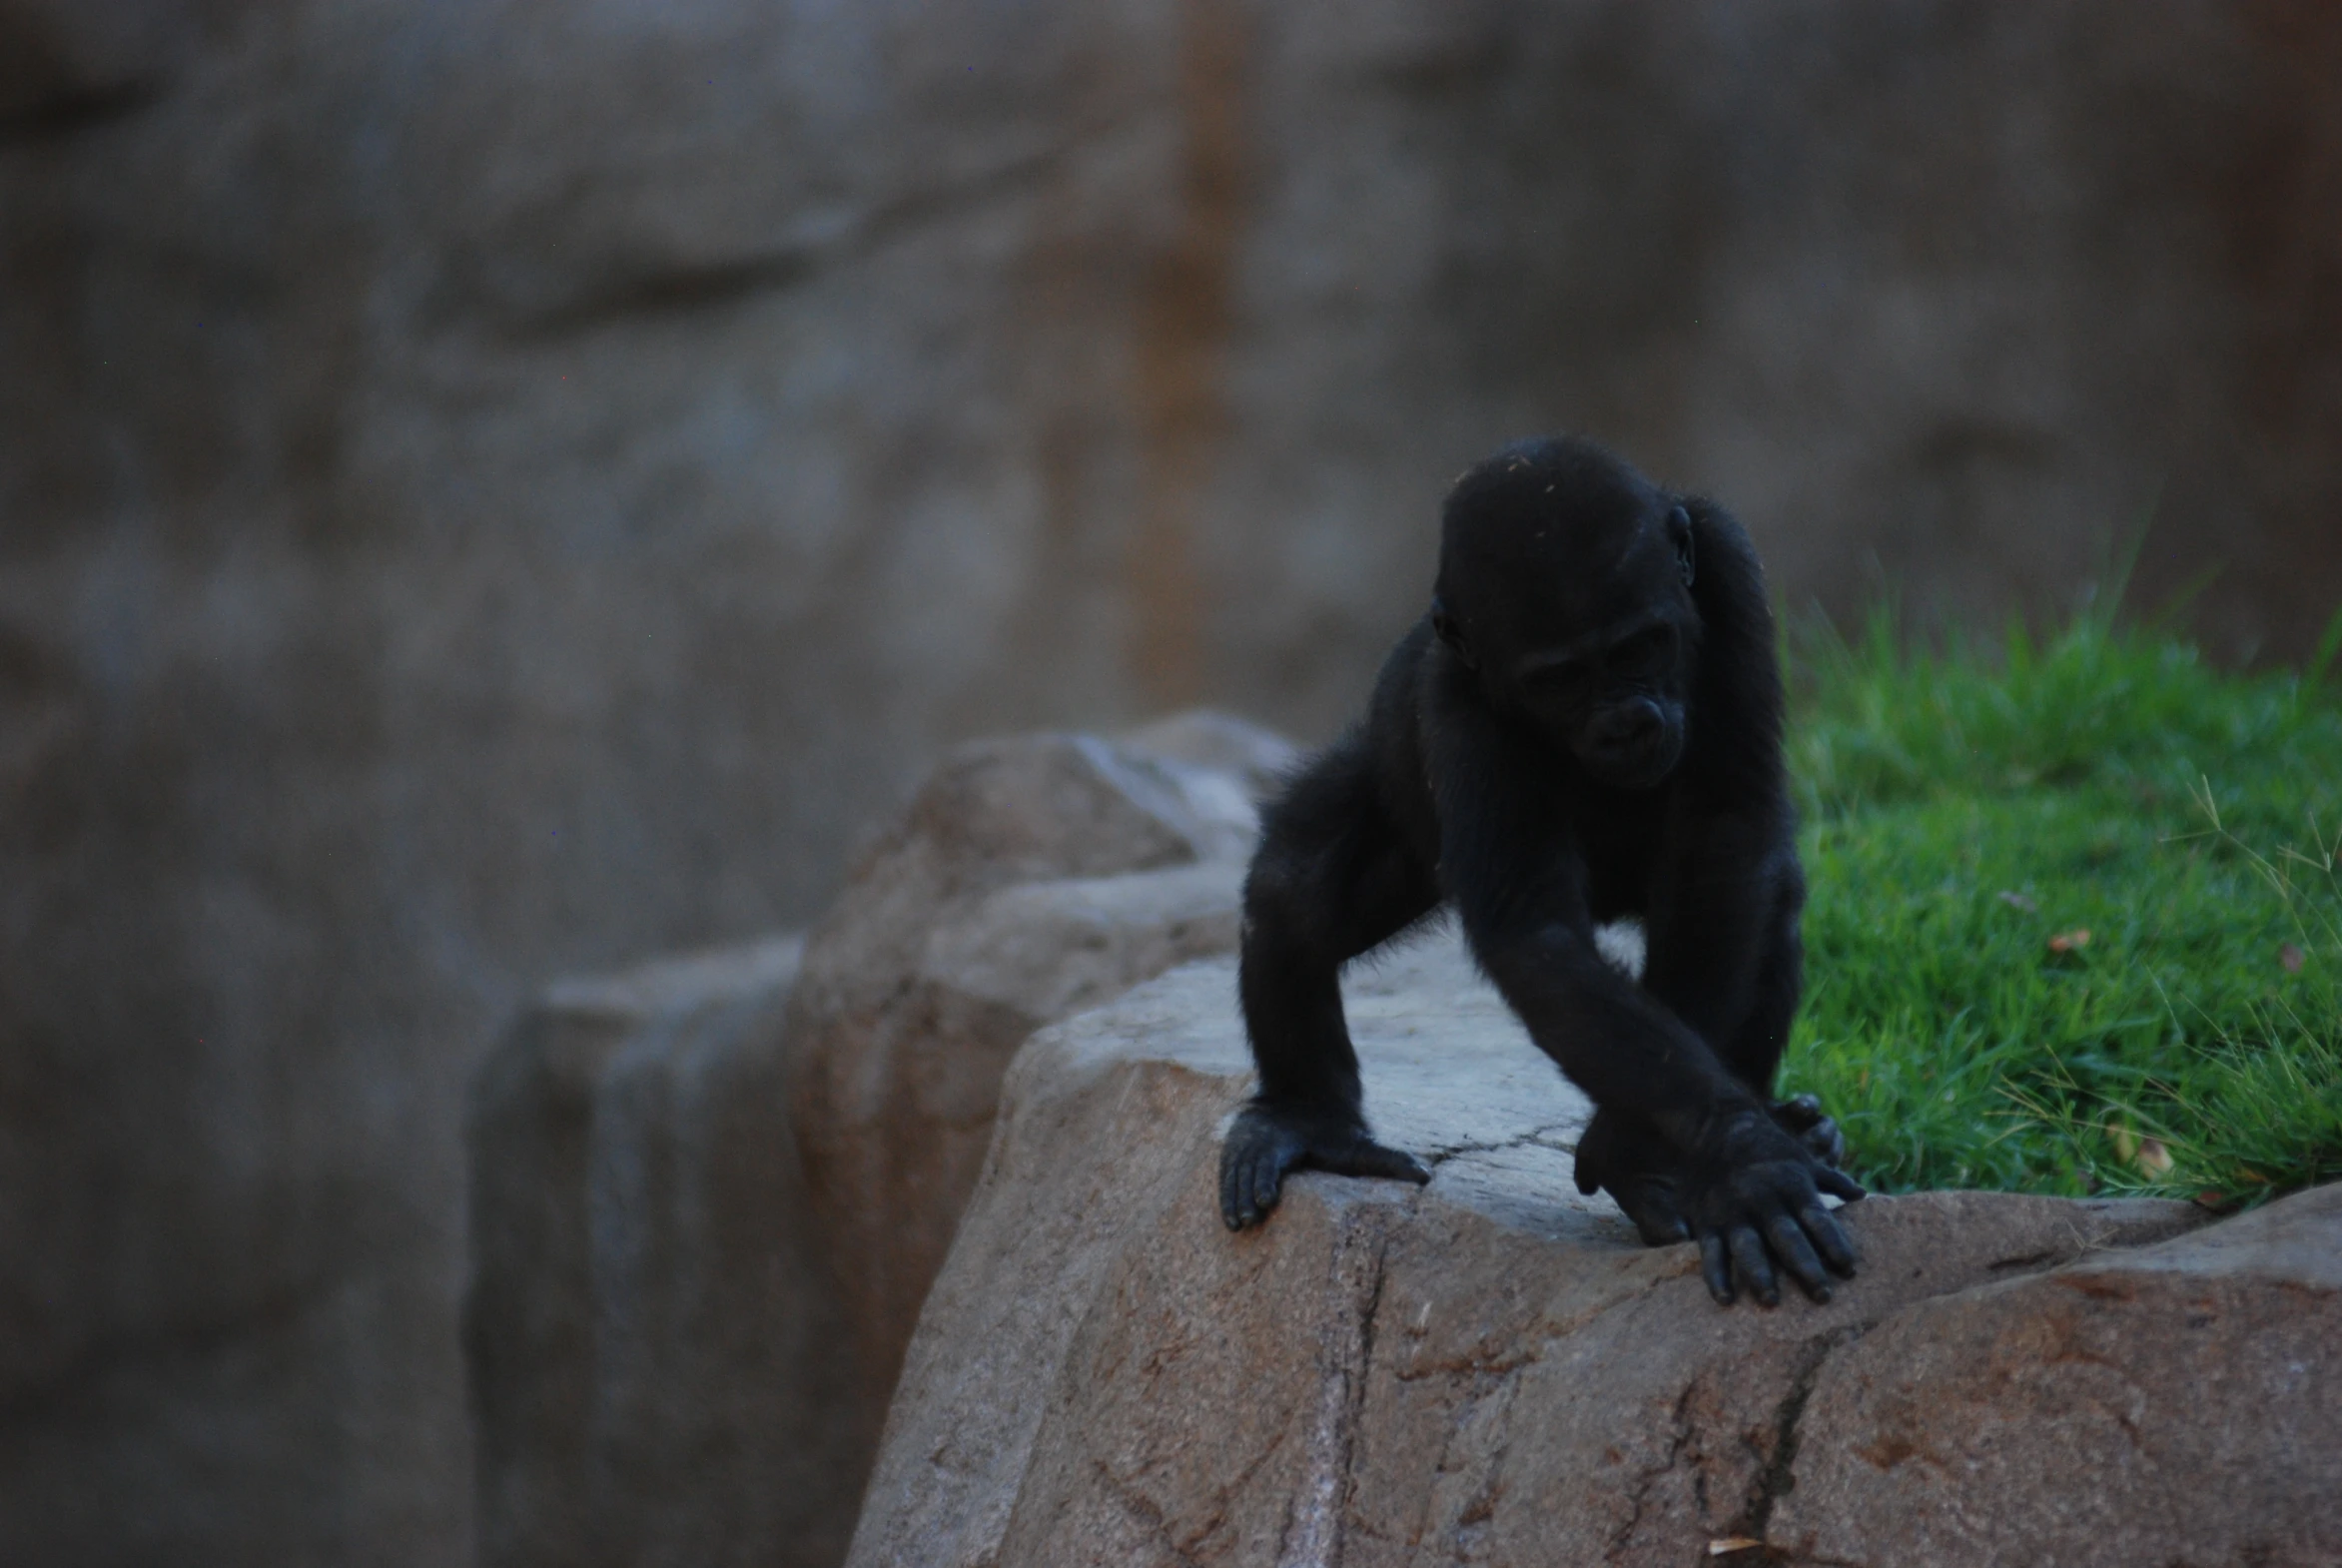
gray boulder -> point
(708, 1196)
(2180, 1403)
(1029, 880)
(1492, 1369)
(652, 1356)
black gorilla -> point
(1586, 726)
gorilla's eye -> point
(1564, 685)
(1646, 654)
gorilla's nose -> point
(1628, 726)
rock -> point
(700, 1208)
(63, 64)
(2178, 1404)
(652, 1340)
(1218, 743)
(1031, 879)
(1490, 1368)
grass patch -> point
(1964, 807)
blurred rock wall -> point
(497, 488)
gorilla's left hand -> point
(1752, 1194)
(1626, 1157)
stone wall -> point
(497, 489)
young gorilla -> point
(1587, 725)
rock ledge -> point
(1491, 1369)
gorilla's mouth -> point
(1637, 766)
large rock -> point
(1030, 879)
(1491, 1369)
(704, 1214)
(651, 1344)
(494, 491)
(2178, 1404)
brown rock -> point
(65, 62)
(2180, 1403)
(1211, 742)
(651, 1342)
(1030, 879)
(677, 1343)
(1492, 1369)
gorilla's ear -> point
(1679, 534)
(1444, 624)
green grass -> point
(1964, 806)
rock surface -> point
(652, 1348)
(1491, 1369)
(2178, 1404)
(709, 1195)
(1030, 879)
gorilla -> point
(1584, 727)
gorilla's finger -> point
(1838, 1184)
(1246, 1140)
(1593, 1159)
(1804, 1119)
(1231, 1187)
(1369, 1159)
(1828, 1236)
(1587, 1178)
(1652, 1209)
(1797, 1255)
(1268, 1169)
(1247, 1203)
(1801, 1112)
(1715, 1268)
(1661, 1226)
(1827, 1143)
(1756, 1268)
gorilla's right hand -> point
(1753, 1195)
(1803, 1119)
(1267, 1141)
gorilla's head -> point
(1565, 584)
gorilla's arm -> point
(1333, 877)
(1519, 883)
(1723, 938)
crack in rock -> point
(1151, 1516)
(1313, 1530)
(1639, 1489)
(1778, 1477)
(1539, 1137)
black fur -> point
(1586, 726)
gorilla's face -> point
(1567, 588)
(1615, 699)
